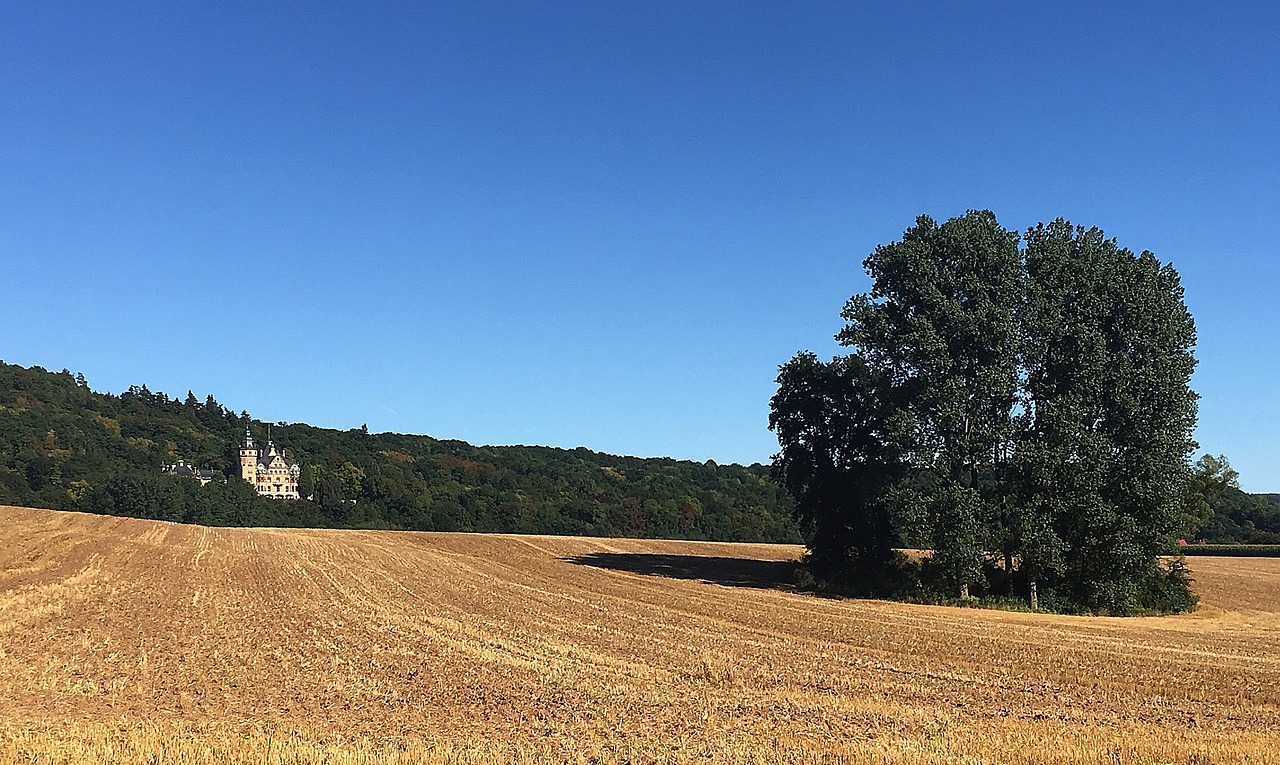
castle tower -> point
(248, 459)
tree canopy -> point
(1021, 407)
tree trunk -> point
(1035, 597)
(1008, 570)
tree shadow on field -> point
(727, 572)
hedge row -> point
(1238, 551)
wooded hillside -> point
(65, 446)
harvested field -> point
(133, 641)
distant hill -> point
(1239, 517)
(65, 446)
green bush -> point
(1168, 589)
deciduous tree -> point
(1031, 405)
(835, 428)
(940, 325)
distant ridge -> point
(71, 448)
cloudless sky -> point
(600, 224)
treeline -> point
(65, 446)
(1233, 550)
(1224, 513)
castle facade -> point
(268, 470)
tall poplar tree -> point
(940, 321)
(1109, 414)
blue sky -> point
(599, 224)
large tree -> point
(1028, 405)
(1109, 411)
(836, 458)
(940, 324)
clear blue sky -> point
(599, 224)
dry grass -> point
(129, 641)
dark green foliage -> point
(138, 495)
(1232, 551)
(1108, 411)
(940, 325)
(1168, 588)
(65, 447)
(1026, 412)
(834, 461)
(895, 577)
(1225, 514)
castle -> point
(270, 472)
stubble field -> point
(133, 641)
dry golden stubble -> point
(134, 642)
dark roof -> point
(271, 453)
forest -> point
(65, 446)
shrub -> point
(1168, 588)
